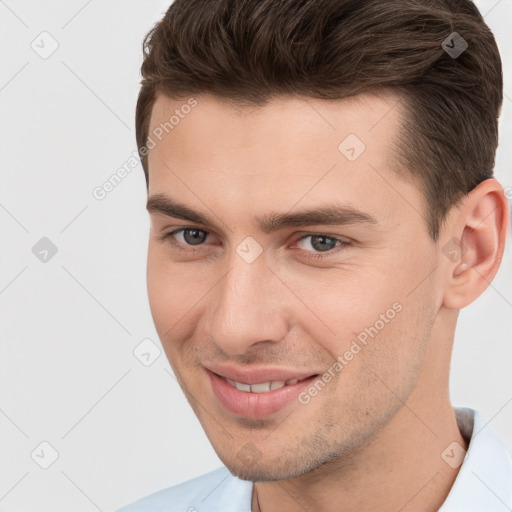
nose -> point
(249, 307)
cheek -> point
(342, 303)
(169, 293)
(176, 293)
(368, 315)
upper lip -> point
(257, 375)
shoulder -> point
(203, 493)
(484, 480)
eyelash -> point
(178, 245)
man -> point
(322, 204)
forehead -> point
(287, 127)
(369, 116)
(290, 149)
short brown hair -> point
(246, 51)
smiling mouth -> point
(263, 387)
(258, 399)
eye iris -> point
(322, 245)
(197, 237)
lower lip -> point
(255, 405)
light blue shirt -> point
(483, 484)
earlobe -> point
(481, 225)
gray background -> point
(69, 376)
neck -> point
(401, 469)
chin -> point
(270, 470)
(262, 473)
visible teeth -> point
(242, 387)
(262, 387)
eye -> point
(323, 244)
(189, 237)
(184, 239)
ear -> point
(474, 243)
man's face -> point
(231, 296)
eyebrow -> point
(323, 215)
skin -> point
(372, 439)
